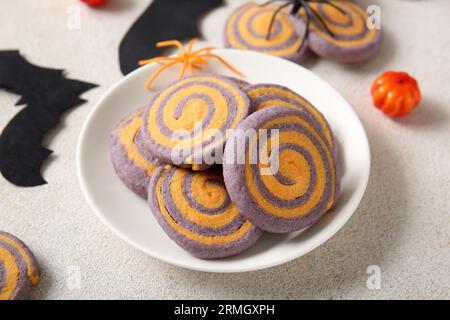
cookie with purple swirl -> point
(266, 95)
(132, 162)
(19, 269)
(247, 28)
(342, 34)
(196, 212)
(278, 170)
(186, 123)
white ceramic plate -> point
(131, 219)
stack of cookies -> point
(334, 29)
(220, 161)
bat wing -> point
(162, 20)
(21, 153)
(46, 94)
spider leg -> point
(196, 67)
(272, 20)
(306, 32)
(172, 43)
(226, 64)
(296, 7)
(158, 59)
(203, 49)
(183, 69)
(199, 60)
(191, 72)
(319, 20)
(191, 43)
(158, 72)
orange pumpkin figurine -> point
(395, 93)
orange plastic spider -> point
(190, 60)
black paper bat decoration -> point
(47, 94)
(162, 20)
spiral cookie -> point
(266, 95)
(195, 211)
(351, 40)
(248, 26)
(294, 186)
(186, 122)
(132, 163)
(19, 269)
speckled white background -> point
(402, 224)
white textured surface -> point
(402, 225)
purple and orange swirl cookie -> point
(132, 163)
(196, 212)
(292, 184)
(247, 28)
(19, 270)
(267, 95)
(187, 122)
(350, 39)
